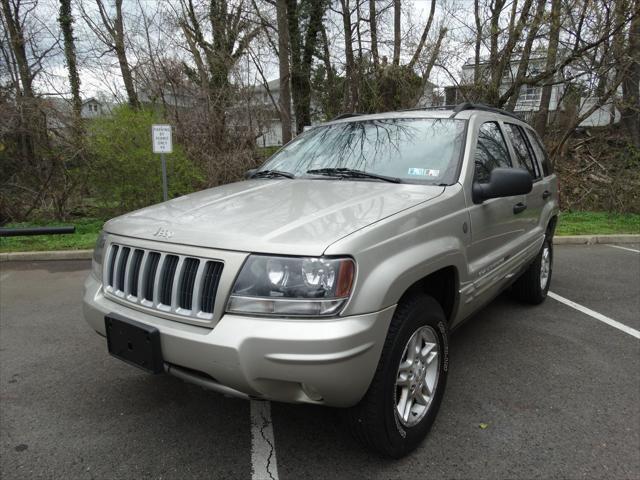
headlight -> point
(98, 256)
(292, 286)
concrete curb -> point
(49, 255)
(86, 254)
(593, 239)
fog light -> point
(311, 392)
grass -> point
(87, 229)
(597, 223)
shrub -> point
(124, 173)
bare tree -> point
(65, 19)
(110, 31)
(302, 51)
(284, 107)
(397, 33)
(629, 61)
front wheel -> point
(403, 399)
(532, 287)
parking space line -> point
(263, 448)
(624, 248)
(598, 316)
(4, 276)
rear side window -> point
(491, 151)
(541, 153)
(524, 154)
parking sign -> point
(161, 135)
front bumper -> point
(268, 358)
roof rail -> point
(346, 115)
(480, 106)
(437, 107)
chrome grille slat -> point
(182, 285)
(187, 278)
(157, 279)
(113, 256)
(175, 279)
(211, 279)
(197, 288)
(132, 282)
(122, 266)
(127, 272)
(150, 276)
(116, 271)
(143, 266)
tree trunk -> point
(423, 38)
(351, 98)
(397, 7)
(119, 46)
(512, 94)
(552, 57)
(373, 25)
(18, 42)
(309, 50)
(630, 111)
(332, 105)
(494, 82)
(29, 118)
(66, 25)
(284, 108)
(478, 44)
(295, 43)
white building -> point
(529, 98)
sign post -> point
(162, 143)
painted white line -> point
(624, 248)
(598, 316)
(263, 447)
(4, 276)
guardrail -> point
(17, 232)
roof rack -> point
(437, 107)
(346, 115)
(456, 110)
(480, 106)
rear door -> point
(524, 157)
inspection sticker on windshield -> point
(423, 172)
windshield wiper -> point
(351, 173)
(272, 174)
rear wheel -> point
(533, 284)
(403, 399)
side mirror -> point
(249, 173)
(503, 182)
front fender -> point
(390, 277)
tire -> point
(533, 284)
(375, 421)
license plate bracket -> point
(134, 343)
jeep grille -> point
(167, 282)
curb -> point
(86, 254)
(43, 256)
(595, 239)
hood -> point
(298, 217)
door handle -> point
(519, 207)
(546, 194)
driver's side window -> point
(491, 151)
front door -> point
(497, 225)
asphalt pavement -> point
(556, 390)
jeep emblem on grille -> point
(163, 232)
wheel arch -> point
(443, 286)
(551, 226)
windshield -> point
(425, 150)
